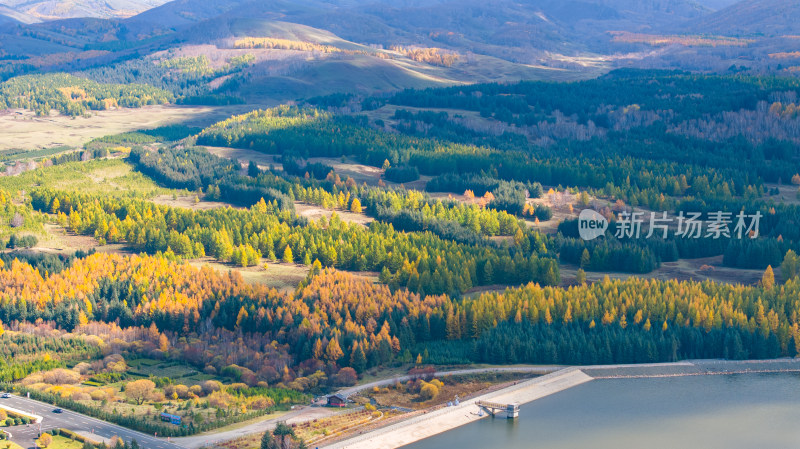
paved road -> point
(533, 369)
(24, 436)
(198, 441)
(299, 414)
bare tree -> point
(17, 220)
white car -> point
(5, 396)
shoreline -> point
(442, 420)
(448, 418)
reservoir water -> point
(747, 411)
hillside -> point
(64, 9)
(308, 48)
(284, 60)
(9, 15)
(753, 17)
(716, 5)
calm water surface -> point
(751, 411)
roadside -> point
(297, 415)
(407, 427)
(76, 422)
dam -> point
(445, 419)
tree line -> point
(420, 261)
(336, 319)
(75, 96)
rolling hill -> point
(10, 15)
(63, 9)
(378, 46)
(753, 17)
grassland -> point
(343, 167)
(106, 176)
(280, 276)
(367, 73)
(188, 201)
(23, 130)
(264, 161)
(701, 269)
(180, 372)
(314, 213)
(60, 442)
(10, 445)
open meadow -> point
(22, 129)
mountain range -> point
(30, 11)
(373, 46)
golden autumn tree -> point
(768, 279)
(139, 390)
(355, 206)
(333, 352)
(288, 257)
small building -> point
(337, 400)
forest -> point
(75, 96)
(468, 266)
(187, 78)
(336, 319)
(640, 149)
(421, 261)
(408, 210)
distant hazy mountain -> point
(178, 13)
(63, 9)
(9, 15)
(716, 5)
(5, 20)
(493, 25)
(375, 41)
(753, 17)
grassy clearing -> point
(244, 157)
(343, 167)
(22, 129)
(191, 201)
(789, 194)
(707, 268)
(9, 445)
(381, 373)
(314, 213)
(60, 442)
(280, 276)
(150, 367)
(178, 371)
(55, 239)
(104, 176)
